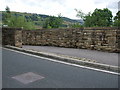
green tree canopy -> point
(100, 17)
(53, 22)
(7, 9)
(117, 19)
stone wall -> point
(12, 36)
(105, 39)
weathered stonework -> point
(104, 39)
(12, 36)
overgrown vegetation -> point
(99, 18)
(76, 25)
(39, 20)
(53, 22)
(117, 19)
(102, 17)
(16, 21)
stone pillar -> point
(12, 36)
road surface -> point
(56, 75)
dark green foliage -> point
(34, 17)
(53, 22)
(7, 9)
(99, 18)
(76, 25)
(46, 23)
(117, 19)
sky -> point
(55, 7)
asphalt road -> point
(56, 75)
(99, 56)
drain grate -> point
(27, 77)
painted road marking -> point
(105, 71)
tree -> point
(88, 20)
(13, 20)
(6, 15)
(20, 22)
(117, 19)
(76, 25)
(99, 18)
(7, 9)
(102, 17)
(80, 14)
(53, 22)
(46, 23)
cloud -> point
(113, 6)
(54, 7)
(110, 4)
(119, 5)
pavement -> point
(97, 56)
(56, 75)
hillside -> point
(39, 19)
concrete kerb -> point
(68, 59)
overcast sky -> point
(54, 7)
